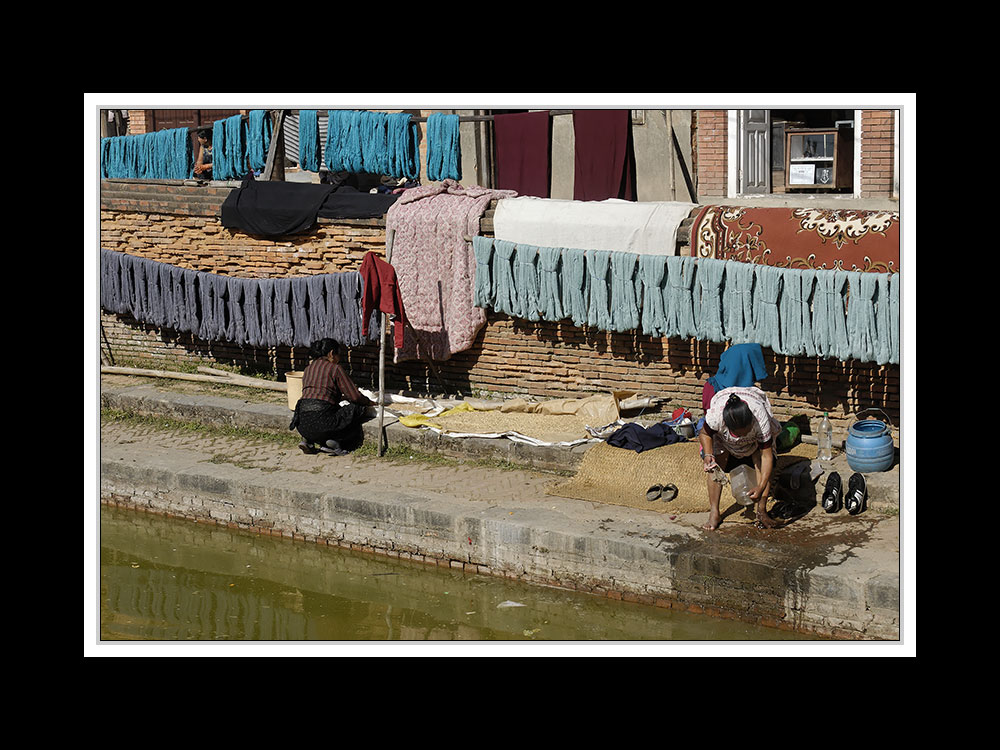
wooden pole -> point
(390, 237)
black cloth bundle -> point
(273, 209)
(276, 209)
(638, 438)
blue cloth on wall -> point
(740, 366)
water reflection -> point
(170, 580)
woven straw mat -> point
(620, 476)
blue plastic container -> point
(870, 447)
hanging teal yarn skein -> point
(598, 302)
(883, 342)
(767, 325)
(309, 140)
(711, 277)
(444, 158)
(678, 298)
(404, 159)
(526, 281)
(258, 138)
(862, 326)
(894, 281)
(549, 291)
(504, 294)
(737, 303)
(794, 311)
(482, 289)
(574, 285)
(623, 306)
(829, 318)
(374, 142)
(652, 269)
(331, 151)
(234, 147)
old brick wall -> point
(711, 127)
(510, 356)
(877, 152)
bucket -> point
(294, 381)
(869, 445)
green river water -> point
(164, 579)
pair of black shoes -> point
(855, 500)
(332, 446)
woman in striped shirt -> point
(739, 429)
(321, 420)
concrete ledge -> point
(831, 577)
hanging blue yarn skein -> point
(258, 138)
(623, 306)
(482, 290)
(767, 325)
(526, 281)
(309, 150)
(883, 345)
(711, 278)
(737, 303)
(374, 143)
(574, 285)
(401, 137)
(652, 269)
(504, 293)
(444, 157)
(678, 298)
(598, 302)
(549, 291)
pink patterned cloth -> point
(436, 267)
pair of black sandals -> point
(854, 501)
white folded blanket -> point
(613, 224)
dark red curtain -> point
(523, 147)
(605, 158)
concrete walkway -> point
(834, 576)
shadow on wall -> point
(558, 360)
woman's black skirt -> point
(318, 421)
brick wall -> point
(711, 164)
(877, 152)
(509, 356)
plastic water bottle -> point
(825, 439)
(741, 483)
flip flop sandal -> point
(832, 499)
(654, 492)
(857, 493)
(669, 492)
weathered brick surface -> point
(509, 356)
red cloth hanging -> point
(605, 158)
(524, 148)
(381, 292)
